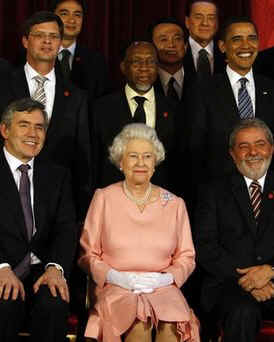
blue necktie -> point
(244, 101)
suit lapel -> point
(263, 96)
(241, 195)
(10, 194)
(19, 84)
(267, 204)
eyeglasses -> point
(141, 62)
(45, 36)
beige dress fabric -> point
(117, 235)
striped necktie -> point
(244, 101)
(256, 198)
(39, 93)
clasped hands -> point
(145, 282)
(11, 286)
(257, 281)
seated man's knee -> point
(11, 308)
(45, 302)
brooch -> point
(165, 197)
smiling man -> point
(37, 220)
(85, 68)
(216, 106)
(68, 139)
(136, 102)
(234, 235)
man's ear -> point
(25, 42)
(187, 22)
(122, 67)
(221, 45)
(4, 131)
(231, 152)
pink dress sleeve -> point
(90, 242)
(183, 261)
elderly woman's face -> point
(138, 161)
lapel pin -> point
(265, 92)
(165, 114)
(271, 195)
(78, 59)
(66, 93)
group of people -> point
(115, 175)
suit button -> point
(259, 258)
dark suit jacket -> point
(68, 139)
(226, 234)
(212, 113)
(219, 62)
(111, 113)
(264, 63)
(54, 213)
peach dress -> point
(117, 235)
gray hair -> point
(250, 123)
(135, 131)
(23, 105)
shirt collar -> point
(14, 163)
(131, 93)
(30, 72)
(165, 76)
(261, 181)
(71, 48)
(234, 76)
(196, 47)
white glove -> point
(131, 280)
(159, 279)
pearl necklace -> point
(138, 201)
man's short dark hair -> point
(26, 104)
(250, 123)
(55, 3)
(190, 3)
(166, 20)
(234, 20)
(40, 18)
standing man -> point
(203, 58)
(85, 68)
(234, 235)
(37, 221)
(218, 104)
(68, 140)
(169, 38)
(137, 102)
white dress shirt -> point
(49, 86)
(196, 47)
(149, 104)
(179, 80)
(234, 78)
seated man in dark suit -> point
(169, 38)
(137, 102)
(37, 229)
(68, 139)
(234, 236)
(85, 68)
(203, 58)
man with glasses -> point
(67, 141)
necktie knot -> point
(24, 168)
(255, 185)
(140, 100)
(40, 80)
(243, 82)
(203, 53)
(65, 53)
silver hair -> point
(250, 123)
(135, 131)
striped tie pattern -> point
(39, 94)
(255, 197)
(244, 101)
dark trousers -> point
(241, 315)
(45, 315)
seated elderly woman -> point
(137, 246)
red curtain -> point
(262, 11)
(108, 24)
